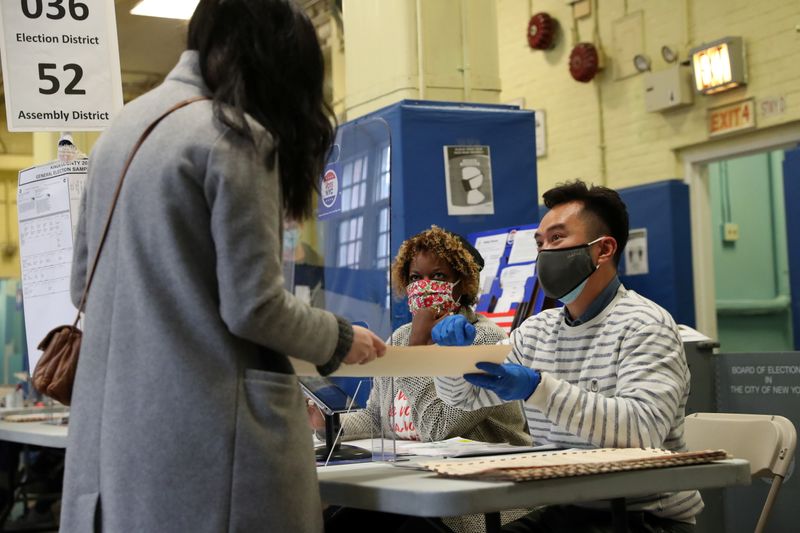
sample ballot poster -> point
(48, 199)
(60, 64)
(468, 177)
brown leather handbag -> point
(54, 374)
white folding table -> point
(383, 487)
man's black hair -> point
(607, 211)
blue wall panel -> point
(662, 208)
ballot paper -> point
(453, 447)
(432, 361)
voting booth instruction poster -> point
(48, 200)
(468, 179)
(60, 64)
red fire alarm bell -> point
(541, 31)
(584, 62)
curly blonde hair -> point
(444, 245)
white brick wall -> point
(640, 146)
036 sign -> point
(60, 64)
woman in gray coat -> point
(186, 414)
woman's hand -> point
(422, 322)
(365, 348)
(315, 418)
(454, 330)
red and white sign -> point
(503, 320)
(731, 118)
(330, 188)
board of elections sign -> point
(60, 64)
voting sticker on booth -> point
(468, 178)
(60, 64)
(330, 193)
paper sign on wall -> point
(468, 178)
(60, 64)
(636, 260)
(524, 249)
(48, 199)
(541, 133)
(491, 248)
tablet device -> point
(328, 396)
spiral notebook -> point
(567, 463)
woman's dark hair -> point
(607, 213)
(262, 57)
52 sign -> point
(33, 9)
(55, 84)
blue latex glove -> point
(453, 330)
(508, 381)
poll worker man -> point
(606, 370)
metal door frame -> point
(695, 161)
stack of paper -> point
(568, 463)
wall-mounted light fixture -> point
(669, 54)
(641, 62)
(174, 9)
(719, 66)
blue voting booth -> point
(393, 173)
(425, 178)
(398, 170)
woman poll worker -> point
(438, 272)
(186, 412)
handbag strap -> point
(135, 149)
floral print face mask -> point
(426, 293)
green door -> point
(750, 261)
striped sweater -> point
(618, 380)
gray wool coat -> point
(186, 415)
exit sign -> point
(731, 118)
(719, 66)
